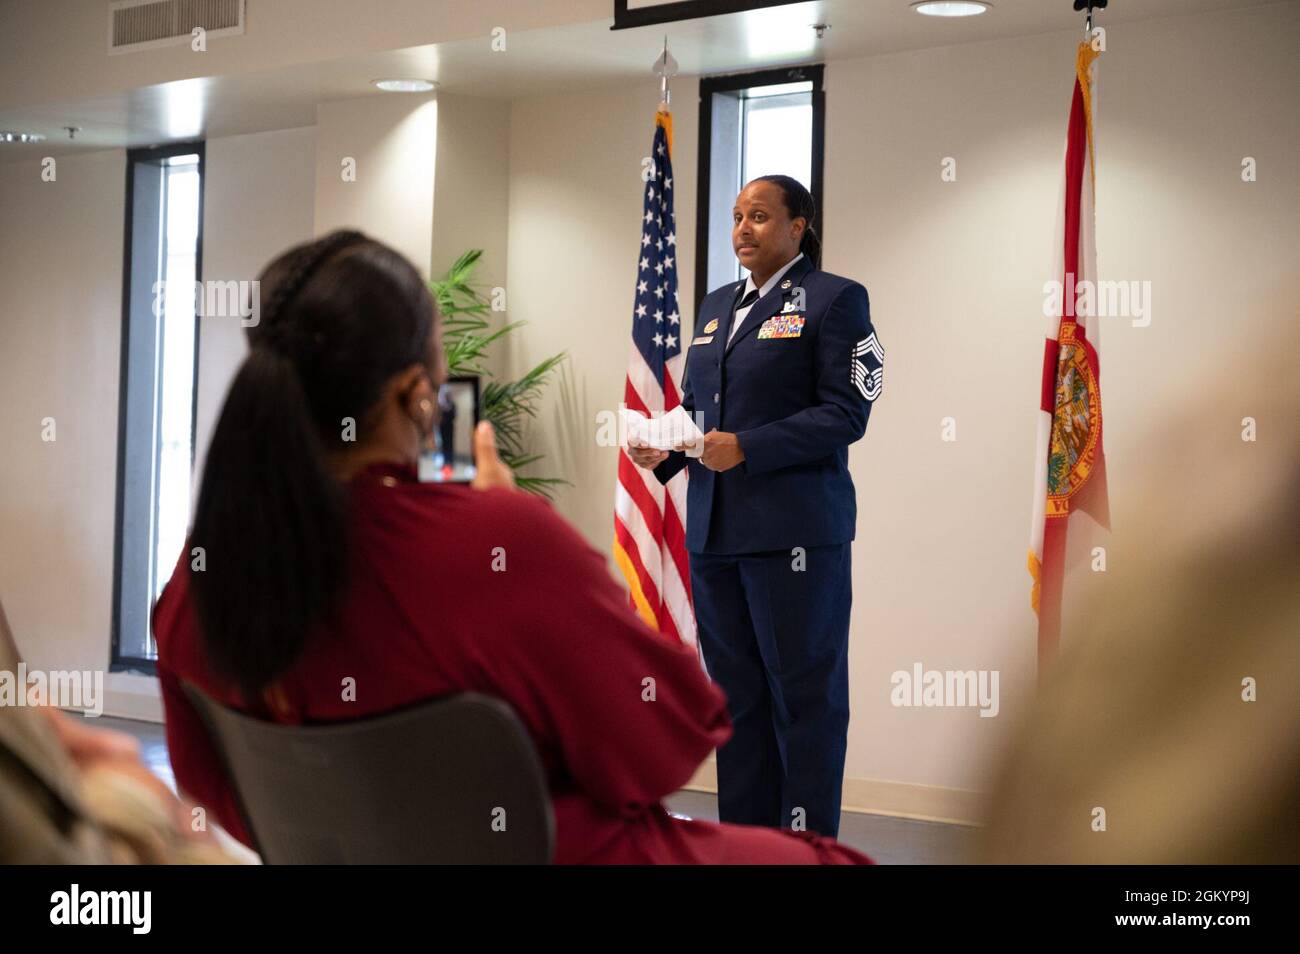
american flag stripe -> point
(675, 531)
(677, 594)
(640, 381)
(633, 497)
(642, 589)
(668, 625)
(649, 518)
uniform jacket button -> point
(716, 397)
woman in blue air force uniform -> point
(780, 376)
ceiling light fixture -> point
(405, 85)
(951, 8)
(7, 136)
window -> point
(752, 124)
(164, 214)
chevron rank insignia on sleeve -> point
(868, 382)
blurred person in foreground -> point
(1147, 714)
(74, 794)
(325, 560)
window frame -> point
(120, 661)
(730, 82)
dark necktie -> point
(744, 303)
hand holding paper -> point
(674, 431)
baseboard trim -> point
(133, 696)
(873, 796)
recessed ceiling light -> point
(405, 85)
(7, 136)
(951, 8)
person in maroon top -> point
(319, 564)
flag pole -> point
(1089, 5)
(649, 546)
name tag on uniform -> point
(782, 326)
(702, 339)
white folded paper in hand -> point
(666, 432)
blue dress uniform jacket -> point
(795, 384)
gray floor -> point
(153, 743)
(888, 840)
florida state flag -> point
(1070, 500)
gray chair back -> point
(453, 781)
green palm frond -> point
(542, 486)
(466, 338)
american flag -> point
(650, 518)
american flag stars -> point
(656, 288)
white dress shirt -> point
(743, 313)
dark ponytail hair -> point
(342, 315)
(799, 203)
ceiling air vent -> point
(144, 24)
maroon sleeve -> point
(631, 712)
(200, 775)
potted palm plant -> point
(466, 336)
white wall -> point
(575, 229)
(374, 170)
(471, 192)
(60, 335)
(471, 184)
(258, 201)
(955, 272)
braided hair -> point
(342, 315)
(799, 204)
(277, 333)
